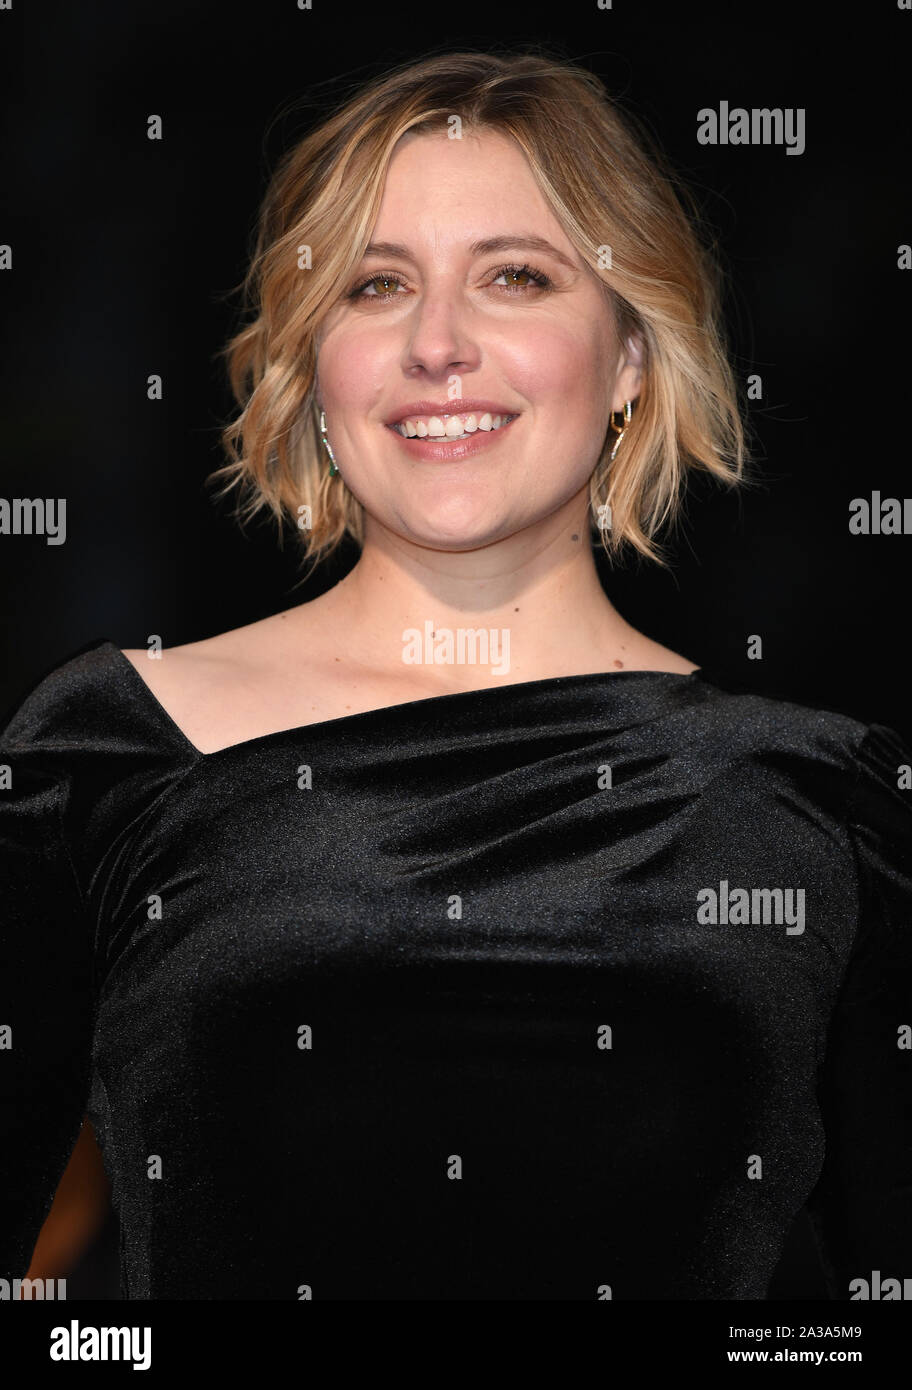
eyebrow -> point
(487, 247)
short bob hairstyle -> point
(608, 188)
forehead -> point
(449, 192)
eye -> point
(383, 278)
(516, 274)
(385, 285)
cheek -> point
(561, 365)
(354, 369)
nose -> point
(440, 339)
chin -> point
(452, 533)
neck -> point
(531, 606)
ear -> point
(628, 382)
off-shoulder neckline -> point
(458, 697)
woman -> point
(446, 936)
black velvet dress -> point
(571, 989)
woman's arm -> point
(861, 1209)
(46, 993)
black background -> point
(125, 251)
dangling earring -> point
(333, 470)
(620, 431)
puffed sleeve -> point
(46, 1005)
(861, 1208)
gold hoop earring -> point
(621, 430)
(333, 470)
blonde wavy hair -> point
(607, 186)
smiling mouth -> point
(446, 429)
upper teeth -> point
(453, 427)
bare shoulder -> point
(218, 690)
(174, 669)
(646, 655)
(229, 656)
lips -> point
(451, 426)
(442, 410)
(453, 448)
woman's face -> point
(437, 327)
